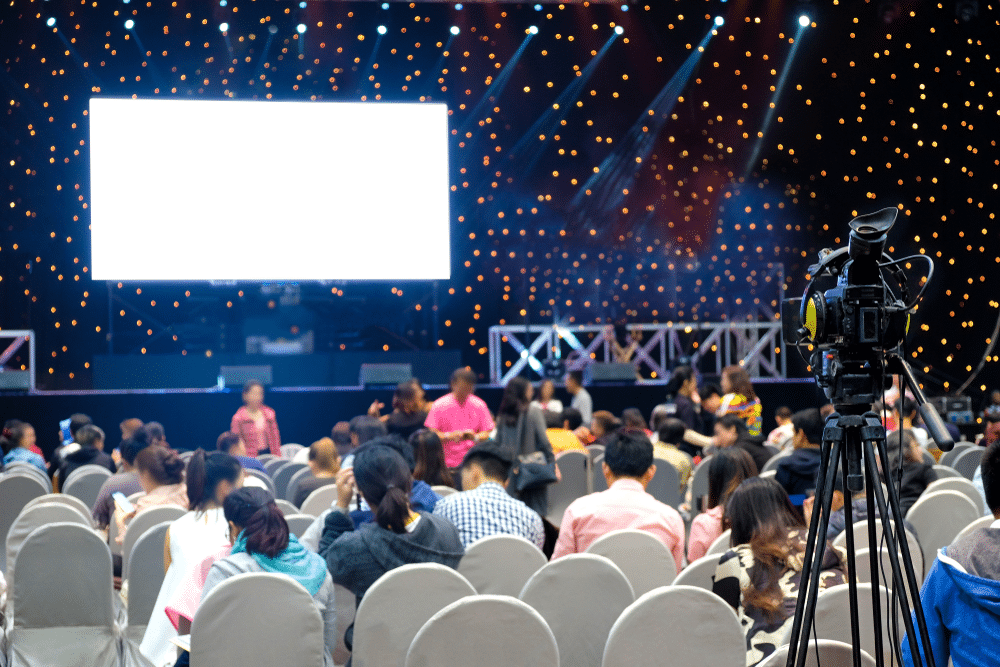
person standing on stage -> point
(254, 422)
(581, 397)
(460, 418)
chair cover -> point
(580, 596)
(666, 484)
(593, 451)
(142, 522)
(700, 573)
(961, 485)
(501, 564)
(830, 653)
(943, 471)
(293, 483)
(981, 522)
(861, 542)
(61, 605)
(720, 545)
(186, 456)
(230, 629)
(948, 458)
(699, 629)
(319, 500)
(574, 466)
(31, 518)
(772, 463)
(283, 476)
(643, 559)
(384, 628)
(443, 491)
(274, 465)
(290, 449)
(266, 481)
(264, 458)
(938, 517)
(72, 501)
(769, 474)
(597, 480)
(286, 507)
(699, 485)
(833, 618)
(485, 631)
(16, 491)
(863, 566)
(346, 604)
(145, 576)
(298, 523)
(968, 462)
(86, 484)
(21, 468)
(90, 467)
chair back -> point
(346, 604)
(85, 483)
(16, 491)
(274, 465)
(32, 518)
(948, 458)
(467, 631)
(699, 485)
(666, 483)
(443, 491)
(264, 458)
(593, 451)
(265, 480)
(286, 507)
(298, 523)
(963, 486)
(384, 628)
(720, 545)
(574, 466)
(289, 450)
(142, 522)
(863, 567)
(72, 501)
(21, 468)
(229, 629)
(833, 618)
(943, 471)
(981, 522)
(828, 651)
(938, 517)
(501, 564)
(186, 456)
(580, 596)
(860, 529)
(643, 559)
(90, 467)
(293, 483)
(145, 575)
(319, 500)
(700, 573)
(711, 636)
(597, 479)
(968, 461)
(284, 476)
(774, 461)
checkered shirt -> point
(490, 510)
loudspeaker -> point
(384, 374)
(614, 372)
(236, 376)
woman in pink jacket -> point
(254, 422)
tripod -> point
(850, 439)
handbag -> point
(531, 470)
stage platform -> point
(195, 417)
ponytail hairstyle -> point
(383, 477)
(253, 511)
(13, 433)
(204, 474)
(161, 464)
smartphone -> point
(122, 502)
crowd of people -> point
(502, 465)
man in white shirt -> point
(581, 397)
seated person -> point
(161, 475)
(262, 543)
(628, 468)
(796, 472)
(428, 454)
(726, 470)
(960, 593)
(91, 452)
(18, 442)
(603, 426)
(324, 464)
(759, 577)
(125, 481)
(912, 477)
(669, 437)
(232, 444)
(782, 435)
(560, 427)
(356, 558)
(731, 431)
(484, 507)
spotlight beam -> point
(88, 72)
(160, 81)
(263, 54)
(439, 65)
(371, 59)
(497, 86)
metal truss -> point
(17, 376)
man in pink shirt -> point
(628, 468)
(460, 418)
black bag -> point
(530, 470)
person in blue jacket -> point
(961, 595)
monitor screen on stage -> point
(185, 190)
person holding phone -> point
(460, 418)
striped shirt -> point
(489, 510)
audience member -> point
(740, 399)
(256, 422)
(669, 437)
(560, 429)
(960, 593)
(633, 420)
(156, 434)
(189, 540)
(760, 576)
(161, 475)
(364, 429)
(683, 401)
(711, 399)
(408, 414)
(546, 400)
(125, 481)
(356, 558)
(17, 440)
(422, 496)
(91, 452)
(324, 464)
(460, 418)
(796, 472)
(129, 426)
(604, 426)
(727, 469)
(521, 432)
(731, 431)
(341, 436)
(628, 468)
(67, 434)
(906, 408)
(262, 543)
(907, 468)
(428, 454)
(484, 507)
(581, 397)
(782, 435)
(232, 444)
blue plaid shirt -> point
(22, 455)
(490, 510)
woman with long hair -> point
(161, 476)
(521, 431)
(18, 443)
(740, 399)
(256, 423)
(546, 398)
(760, 576)
(429, 455)
(682, 392)
(727, 469)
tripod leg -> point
(873, 551)
(849, 450)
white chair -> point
(860, 529)
(298, 523)
(830, 652)
(943, 471)
(145, 576)
(666, 483)
(968, 461)
(643, 559)
(863, 568)
(186, 456)
(228, 628)
(772, 463)
(142, 522)
(319, 500)
(19, 468)
(283, 477)
(265, 482)
(296, 479)
(720, 545)
(574, 466)
(700, 573)
(597, 480)
(580, 596)
(948, 458)
(264, 458)
(501, 564)
(72, 501)
(61, 601)
(32, 518)
(16, 491)
(981, 522)
(833, 617)
(769, 474)
(347, 605)
(711, 635)
(85, 483)
(593, 451)
(286, 507)
(938, 517)
(384, 628)
(442, 490)
(274, 465)
(290, 449)
(698, 486)
(958, 484)
(486, 631)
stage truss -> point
(16, 371)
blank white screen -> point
(233, 190)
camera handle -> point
(896, 365)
